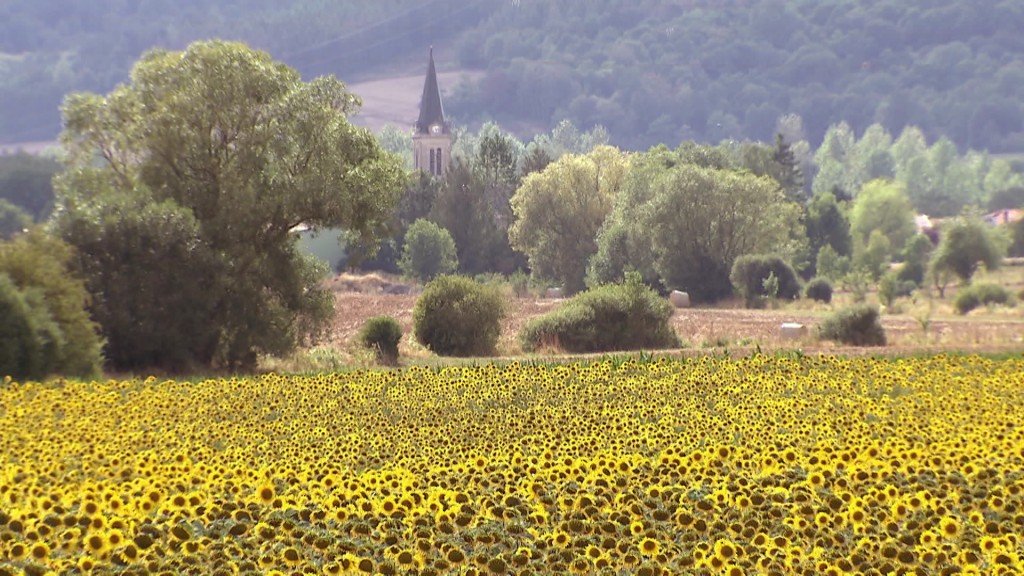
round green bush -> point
(627, 316)
(856, 325)
(980, 295)
(381, 334)
(819, 290)
(456, 316)
(749, 273)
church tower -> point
(432, 141)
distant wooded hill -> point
(51, 47)
(651, 71)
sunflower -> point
(637, 528)
(266, 493)
(725, 550)
(949, 527)
(455, 556)
(178, 502)
(409, 559)
(497, 565)
(365, 565)
(649, 547)
(39, 550)
(17, 551)
(823, 520)
(581, 565)
(96, 544)
(86, 563)
(115, 538)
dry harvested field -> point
(396, 100)
(393, 100)
(704, 329)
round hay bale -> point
(679, 299)
(793, 331)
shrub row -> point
(456, 316)
(980, 295)
(382, 334)
(760, 277)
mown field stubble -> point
(764, 465)
(713, 330)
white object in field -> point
(553, 293)
(793, 331)
(679, 299)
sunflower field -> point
(761, 465)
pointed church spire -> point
(431, 118)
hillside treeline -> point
(578, 213)
(651, 71)
(51, 47)
(663, 72)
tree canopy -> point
(650, 71)
(685, 223)
(967, 244)
(662, 72)
(882, 205)
(559, 210)
(46, 329)
(208, 160)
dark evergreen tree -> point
(790, 176)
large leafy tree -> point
(560, 209)
(966, 245)
(882, 205)
(623, 247)
(230, 151)
(692, 222)
(465, 208)
(777, 162)
(827, 223)
(428, 251)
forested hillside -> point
(51, 47)
(655, 71)
(652, 71)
